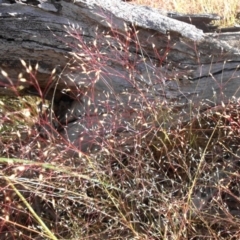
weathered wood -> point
(201, 21)
(115, 59)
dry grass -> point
(180, 183)
(226, 9)
(177, 182)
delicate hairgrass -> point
(142, 182)
(39, 220)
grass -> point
(160, 181)
(226, 9)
